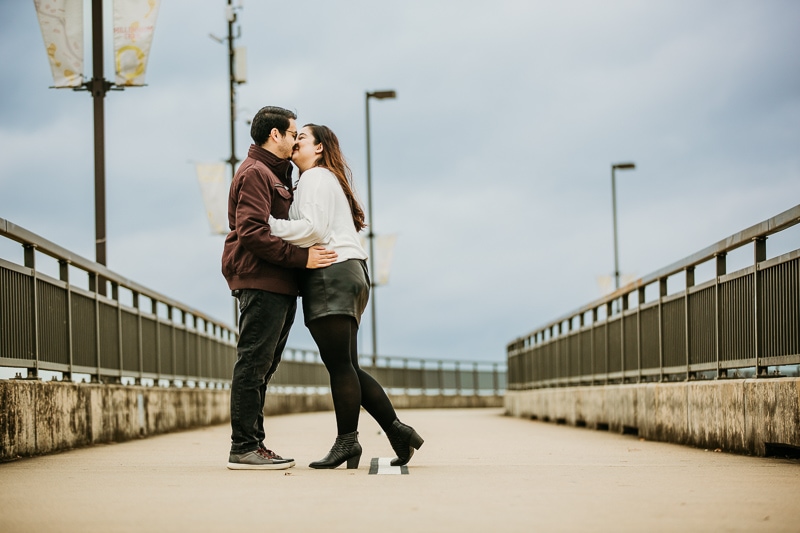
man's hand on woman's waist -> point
(319, 257)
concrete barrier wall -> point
(741, 416)
(43, 417)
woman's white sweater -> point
(320, 215)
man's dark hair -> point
(267, 118)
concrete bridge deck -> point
(478, 471)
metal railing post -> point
(115, 297)
(639, 331)
(154, 310)
(721, 269)
(139, 337)
(406, 380)
(30, 262)
(662, 293)
(625, 305)
(63, 275)
(759, 255)
(608, 347)
(98, 282)
(594, 343)
(687, 322)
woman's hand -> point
(319, 257)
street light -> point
(378, 95)
(234, 78)
(621, 166)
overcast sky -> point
(492, 166)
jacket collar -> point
(281, 167)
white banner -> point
(61, 22)
(215, 195)
(240, 64)
(384, 251)
(134, 23)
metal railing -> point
(748, 319)
(136, 334)
(55, 325)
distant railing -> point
(737, 324)
(138, 335)
(301, 369)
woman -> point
(326, 212)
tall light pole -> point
(99, 87)
(621, 166)
(234, 78)
(378, 95)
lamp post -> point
(99, 87)
(234, 78)
(621, 166)
(378, 95)
(231, 15)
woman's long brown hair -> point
(333, 159)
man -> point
(261, 272)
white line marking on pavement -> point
(382, 465)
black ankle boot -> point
(404, 441)
(346, 448)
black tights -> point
(351, 387)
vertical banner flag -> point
(134, 23)
(240, 64)
(605, 284)
(215, 195)
(61, 22)
(384, 250)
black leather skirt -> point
(340, 289)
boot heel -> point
(345, 448)
(404, 440)
(352, 462)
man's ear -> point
(275, 134)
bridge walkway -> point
(478, 471)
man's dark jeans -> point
(265, 319)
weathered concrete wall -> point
(739, 416)
(43, 417)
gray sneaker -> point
(273, 454)
(258, 459)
